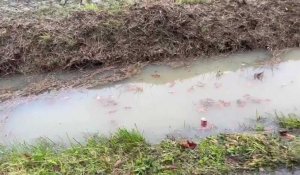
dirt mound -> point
(147, 33)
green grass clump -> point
(127, 152)
(108, 5)
(291, 121)
(91, 7)
(127, 140)
(259, 127)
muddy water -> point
(161, 101)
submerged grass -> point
(127, 152)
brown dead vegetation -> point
(147, 33)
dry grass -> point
(147, 33)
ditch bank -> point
(144, 33)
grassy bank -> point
(127, 152)
(290, 121)
(146, 32)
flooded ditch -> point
(161, 101)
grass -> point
(259, 127)
(127, 152)
(91, 7)
(290, 121)
(108, 5)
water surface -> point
(160, 101)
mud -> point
(146, 32)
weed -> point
(291, 121)
(125, 141)
(259, 127)
(45, 38)
(91, 7)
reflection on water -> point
(161, 101)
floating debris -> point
(208, 102)
(223, 103)
(283, 132)
(155, 76)
(200, 84)
(219, 74)
(106, 102)
(112, 111)
(218, 85)
(251, 99)
(135, 89)
(202, 109)
(203, 122)
(127, 107)
(241, 103)
(259, 76)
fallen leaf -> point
(118, 164)
(289, 137)
(187, 144)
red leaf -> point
(187, 144)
